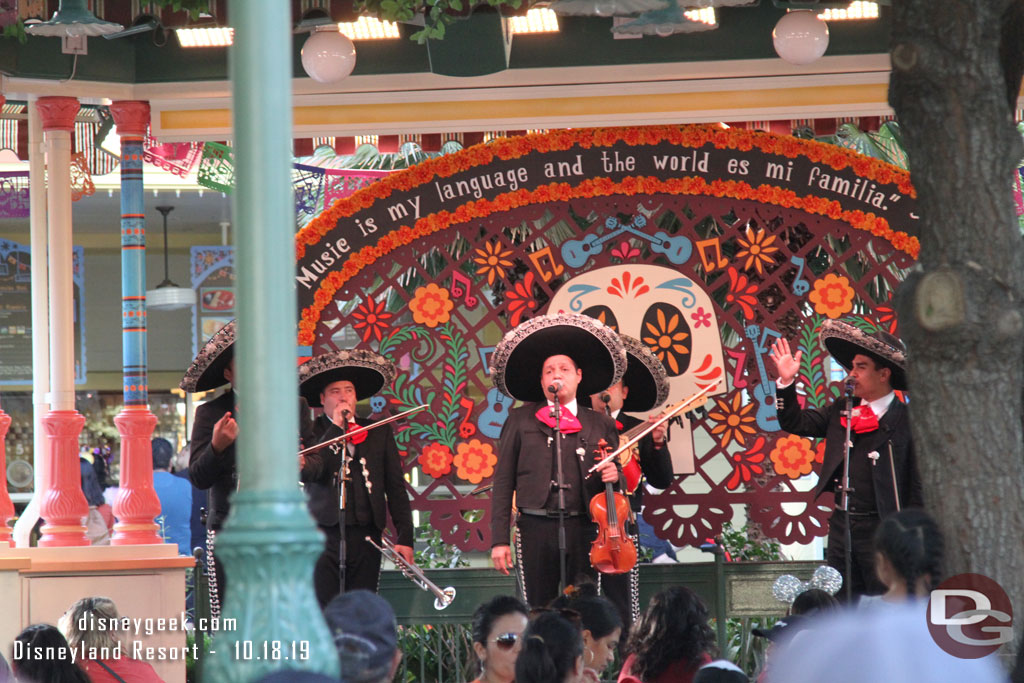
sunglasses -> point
(506, 641)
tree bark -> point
(954, 87)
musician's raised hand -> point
(609, 472)
(659, 432)
(406, 553)
(501, 557)
(786, 363)
(225, 431)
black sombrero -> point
(207, 370)
(645, 377)
(368, 372)
(594, 347)
(843, 341)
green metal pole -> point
(268, 544)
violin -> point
(613, 551)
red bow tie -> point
(618, 425)
(567, 422)
(358, 438)
(864, 419)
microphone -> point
(606, 397)
(849, 383)
(555, 387)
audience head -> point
(366, 634)
(673, 628)
(498, 625)
(552, 651)
(40, 654)
(720, 671)
(163, 453)
(600, 622)
(88, 622)
(908, 553)
(813, 600)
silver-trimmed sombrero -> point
(368, 371)
(207, 370)
(645, 377)
(595, 348)
(843, 341)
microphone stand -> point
(845, 489)
(556, 415)
(343, 478)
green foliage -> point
(436, 554)
(743, 548)
(437, 14)
(435, 654)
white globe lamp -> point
(800, 37)
(328, 55)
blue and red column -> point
(137, 503)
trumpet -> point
(442, 596)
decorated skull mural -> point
(672, 315)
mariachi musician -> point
(547, 361)
(643, 387)
(371, 471)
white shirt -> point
(571, 406)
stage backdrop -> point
(706, 243)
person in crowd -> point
(670, 640)
(548, 361)
(813, 600)
(908, 555)
(179, 468)
(5, 670)
(366, 634)
(100, 520)
(175, 496)
(600, 622)
(498, 625)
(643, 387)
(720, 671)
(883, 468)
(87, 625)
(40, 654)
(374, 481)
(552, 651)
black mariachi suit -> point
(386, 494)
(869, 503)
(212, 471)
(526, 466)
(656, 465)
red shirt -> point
(131, 670)
(677, 672)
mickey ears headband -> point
(825, 578)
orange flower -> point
(436, 460)
(373, 320)
(756, 249)
(832, 296)
(475, 461)
(741, 292)
(793, 456)
(493, 260)
(734, 420)
(665, 339)
(520, 299)
(746, 464)
(431, 305)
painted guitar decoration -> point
(764, 392)
(494, 415)
(676, 248)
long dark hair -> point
(551, 646)
(37, 667)
(911, 541)
(673, 628)
(598, 615)
(492, 610)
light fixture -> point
(800, 37)
(537, 20)
(859, 9)
(209, 36)
(168, 296)
(328, 56)
(369, 28)
(608, 8)
(72, 18)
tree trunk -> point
(954, 86)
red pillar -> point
(137, 503)
(6, 505)
(63, 506)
